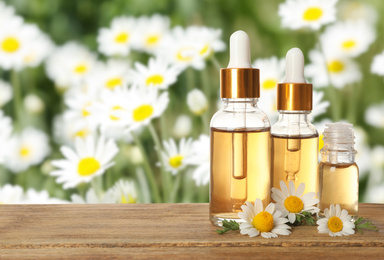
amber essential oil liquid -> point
(240, 171)
(295, 159)
(339, 184)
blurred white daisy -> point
(356, 10)
(5, 133)
(350, 38)
(118, 38)
(10, 194)
(197, 102)
(271, 73)
(267, 103)
(32, 196)
(374, 115)
(182, 126)
(335, 70)
(6, 12)
(37, 50)
(27, 149)
(173, 156)
(146, 104)
(319, 106)
(15, 38)
(292, 202)
(377, 66)
(363, 157)
(150, 32)
(6, 92)
(268, 223)
(337, 222)
(70, 64)
(33, 104)
(376, 172)
(297, 14)
(123, 192)
(92, 198)
(200, 157)
(375, 194)
(159, 74)
(90, 158)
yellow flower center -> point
(113, 82)
(181, 54)
(142, 112)
(130, 199)
(335, 66)
(10, 44)
(156, 79)
(152, 39)
(122, 37)
(269, 83)
(81, 68)
(204, 50)
(176, 161)
(25, 151)
(349, 44)
(293, 204)
(88, 166)
(115, 118)
(312, 14)
(335, 224)
(263, 221)
(85, 112)
(82, 133)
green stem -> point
(175, 188)
(165, 175)
(205, 119)
(17, 106)
(148, 170)
(191, 84)
(97, 186)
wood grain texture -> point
(162, 230)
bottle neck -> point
(295, 116)
(240, 104)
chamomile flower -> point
(37, 50)
(90, 158)
(159, 74)
(272, 72)
(70, 64)
(10, 194)
(268, 105)
(200, 158)
(151, 31)
(27, 149)
(268, 223)
(32, 196)
(292, 202)
(15, 38)
(374, 115)
(118, 38)
(91, 197)
(123, 192)
(197, 102)
(356, 10)
(173, 156)
(337, 222)
(6, 92)
(6, 12)
(313, 14)
(350, 38)
(33, 104)
(209, 40)
(146, 104)
(182, 127)
(332, 69)
(5, 133)
(319, 106)
(377, 66)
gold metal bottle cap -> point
(240, 83)
(294, 96)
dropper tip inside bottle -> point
(239, 50)
(294, 66)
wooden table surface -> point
(163, 231)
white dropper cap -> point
(239, 52)
(294, 66)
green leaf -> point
(366, 225)
(228, 226)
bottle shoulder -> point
(252, 118)
(296, 127)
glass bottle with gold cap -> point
(294, 138)
(240, 138)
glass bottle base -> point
(217, 219)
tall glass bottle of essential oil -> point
(240, 138)
(294, 138)
(338, 172)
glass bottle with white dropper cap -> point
(338, 172)
(294, 138)
(240, 138)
